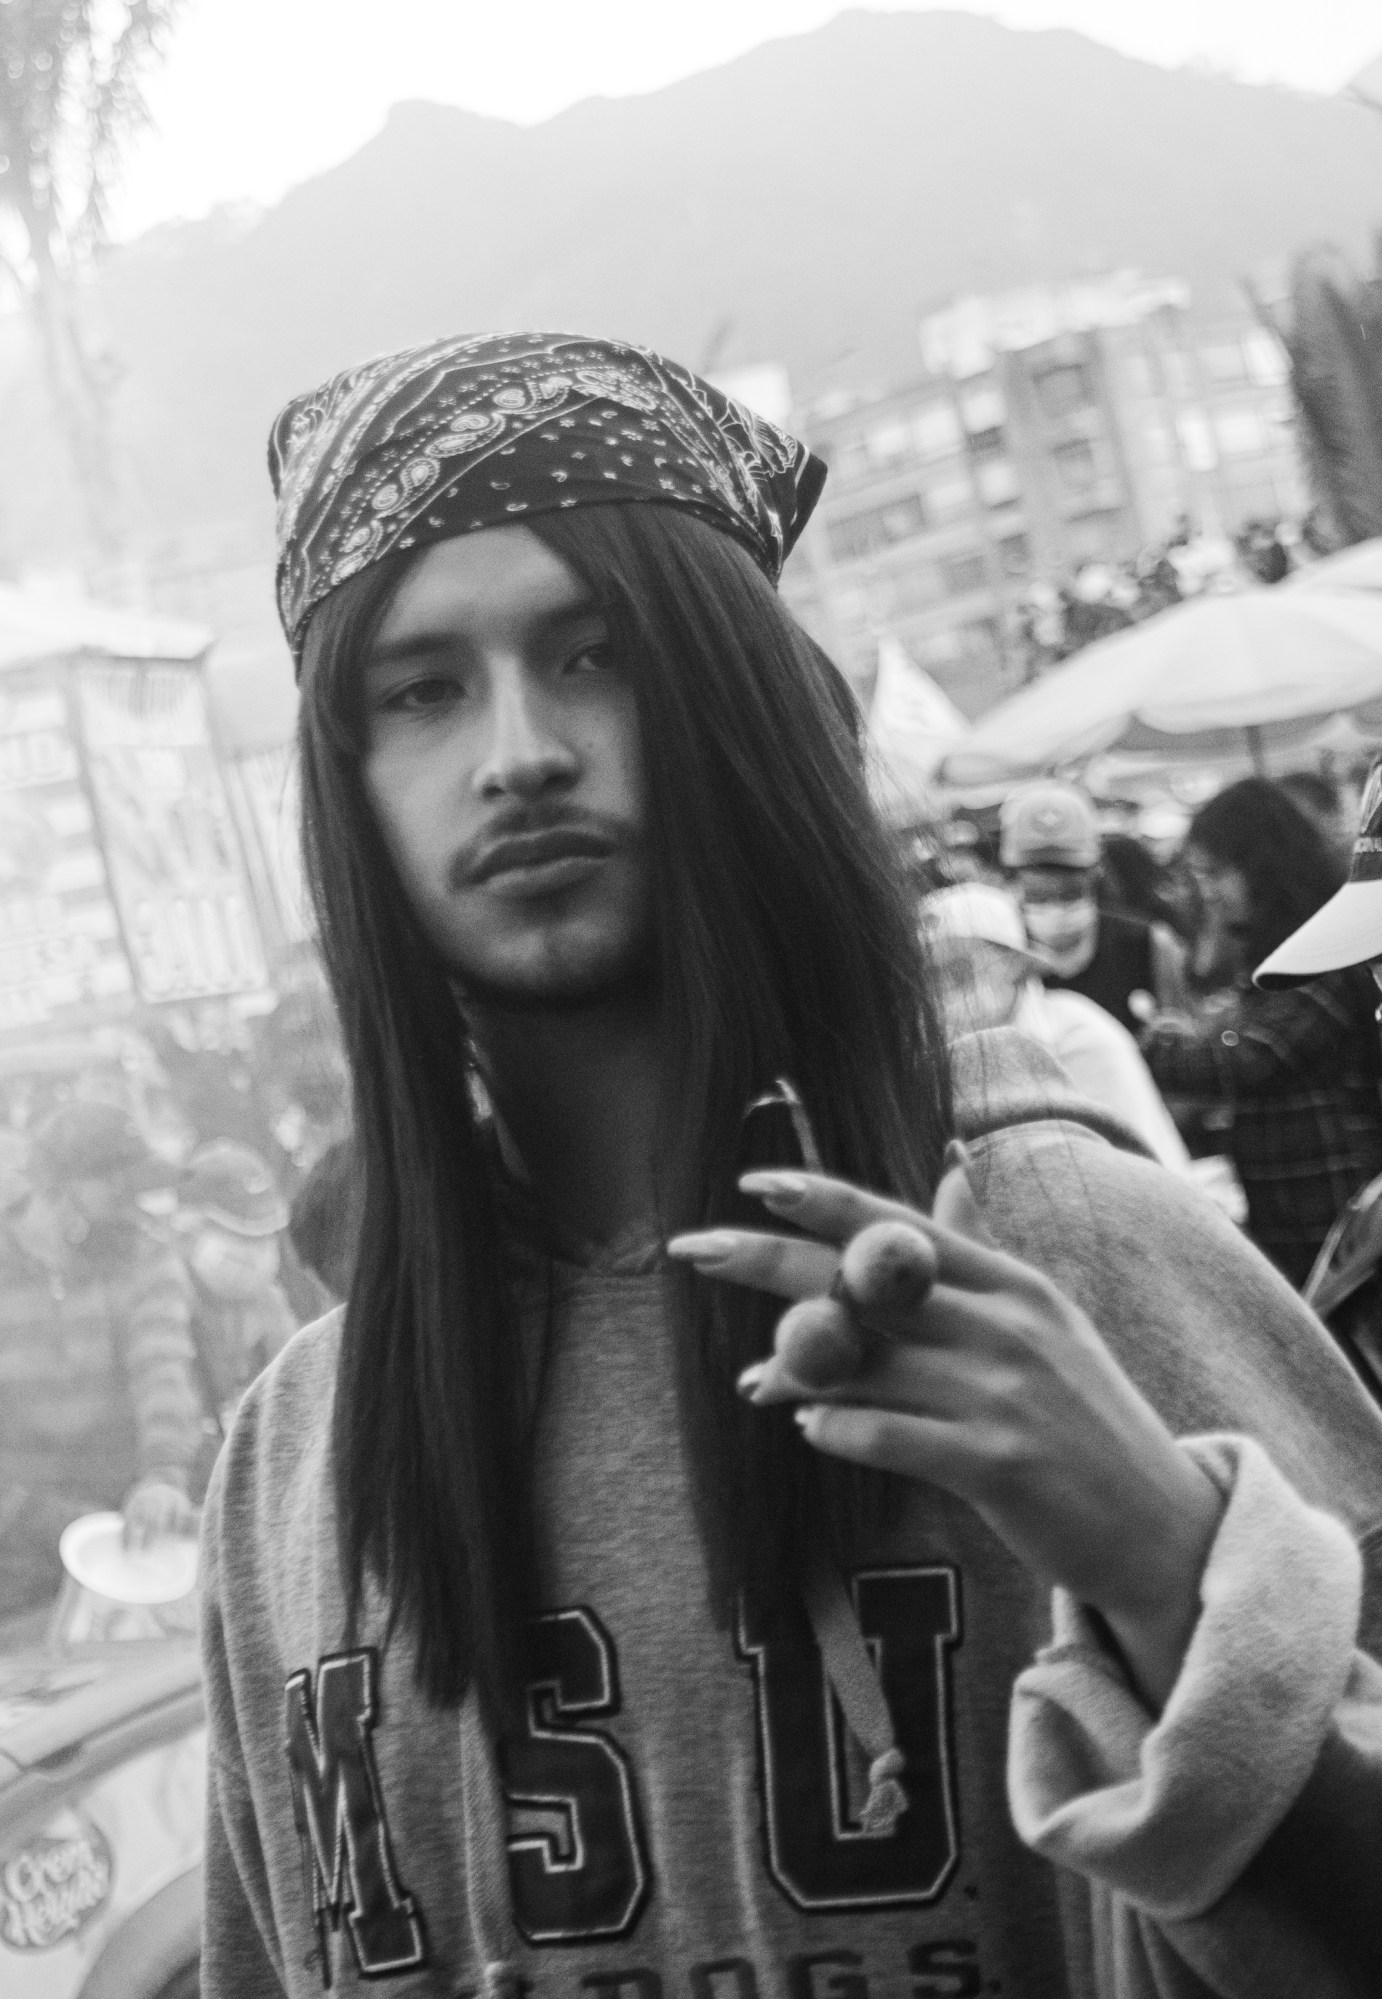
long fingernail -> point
(784, 1190)
(956, 1154)
(707, 1247)
(751, 1377)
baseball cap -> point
(1348, 930)
(978, 912)
(1048, 825)
(230, 1185)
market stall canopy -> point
(912, 723)
(34, 627)
(1261, 668)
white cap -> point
(1348, 930)
(980, 913)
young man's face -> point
(503, 763)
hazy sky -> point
(259, 94)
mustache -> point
(526, 834)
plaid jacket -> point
(1299, 1072)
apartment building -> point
(1045, 430)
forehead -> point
(474, 582)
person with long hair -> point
(574, 1615)
(1297, 1072)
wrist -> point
(1154, 1621)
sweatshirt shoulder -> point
(1210, 1332)
(282, 1430)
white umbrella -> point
(1356, 568)
(911, 724)
(1265, 667)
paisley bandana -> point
(482, 430)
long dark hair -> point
(785, 943)
(1288, 865)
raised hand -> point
(915, 1345)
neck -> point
(576, 1098)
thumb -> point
(956, 1205)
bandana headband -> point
(477, 432)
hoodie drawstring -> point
(853, 1676)
(486, 1855)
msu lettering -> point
(341, 1821)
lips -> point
(558, 855)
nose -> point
(527, 754)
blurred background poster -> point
(60, 946)
(171, 852)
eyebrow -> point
(435, 644)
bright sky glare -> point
(258, 95)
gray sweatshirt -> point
(684, 1817)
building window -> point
(983, 410)
(996, 479)
(1241, 433)
(1179, 379)
(1015, 554)
(950, 499)
(887, 443)
(936, 431)
(866, 533)
(1196, 440)
(1224, 363)
(1077, 466)
(1060, 390)
(964, 574)
(1158, 442)
(848, 459)
(917, 586)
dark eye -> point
(421, 696)
(594, 658)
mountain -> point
(804, 204)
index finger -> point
(836, 1211)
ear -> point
(956, 1205)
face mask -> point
(1064, 932)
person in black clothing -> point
(1297, 1071)
(1345, 1285)
(1133, 882)
(1051, 851)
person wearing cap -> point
(609, 1596)
(99, 1408)
(1050, 848)
(1292, 1072)
(232, 1219)
(1346, 934)
(989, 977)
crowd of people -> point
(146, 1279)
(1139, 973)
(168, 1218)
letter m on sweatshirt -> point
(341, 1820)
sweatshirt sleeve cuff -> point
(1169, 1812)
